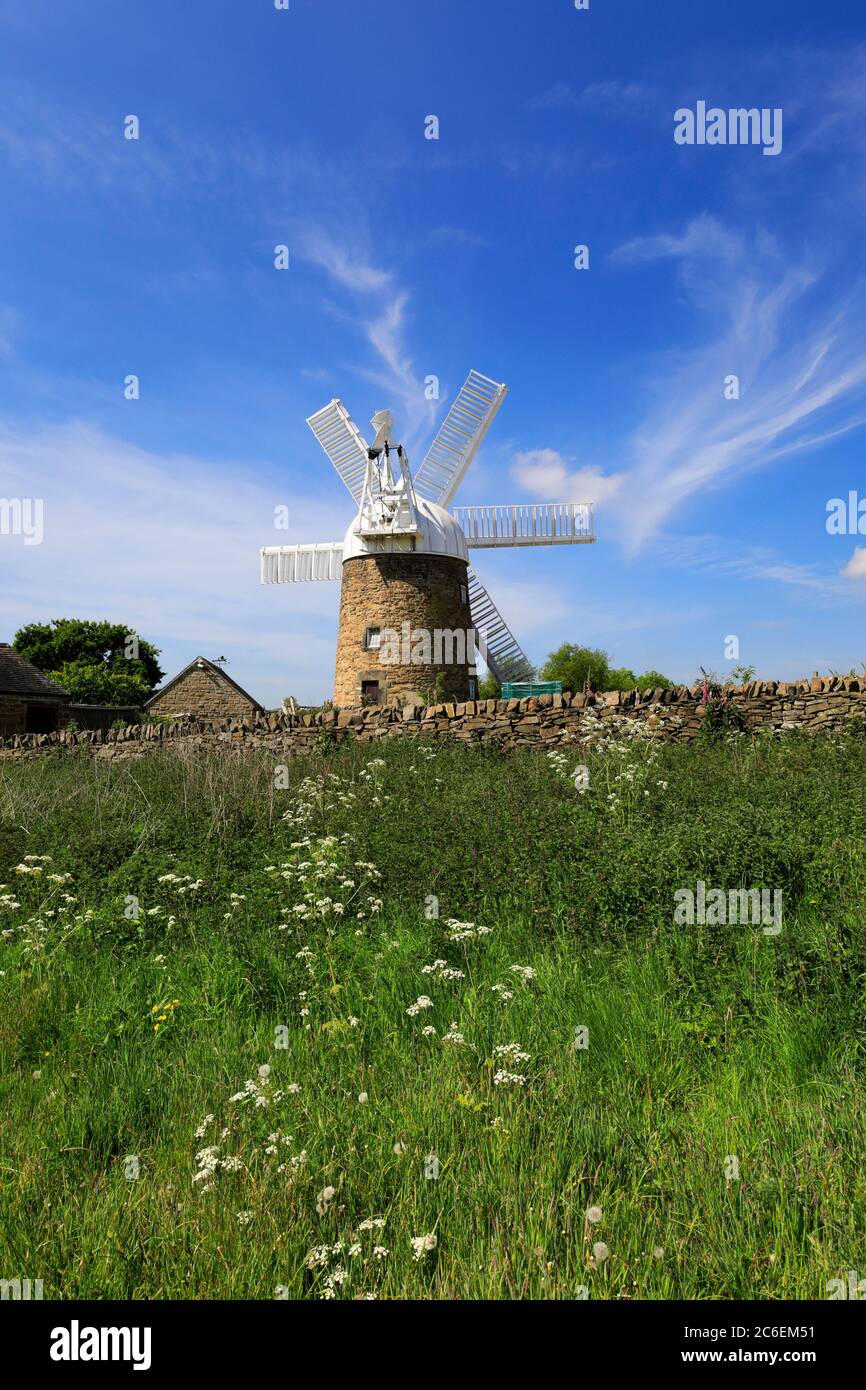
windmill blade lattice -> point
(298, 564)
(497, 644)
(459, 438)
(526, 523)
(344, 444)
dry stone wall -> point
(828, 704)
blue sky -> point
(412, 257)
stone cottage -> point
(202, 690)
(30, 703)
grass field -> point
(549, 1090)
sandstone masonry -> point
(203, 691)
(383, 591)
(830, 704)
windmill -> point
(404, 561)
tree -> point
(489, 688)
(99, 663)
(653, 680)
(572, 664)
(620, 679)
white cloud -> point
(856, 566)
(603, 96)
(545, 473)
(168, 543)
(345, 265)
(457, 236)
(800, 361)
(383, 326)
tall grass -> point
(701, 1086)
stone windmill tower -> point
(412, 609)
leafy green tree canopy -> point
(571, 664)
(97, 662)
(489, 688)
(653, 680)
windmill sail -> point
(496, 643)
(298, 564)
(459, 438)
(526, 523)
(343, 442)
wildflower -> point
(659, 1252)
(593, 1215)
(330, 1281)
(454, 1036)
(422, 1245)
(245, 1217)
(362, 1098)
(429, 1031)
(465, 931)
(422, 1002)
(600, 1252)
(441, 970)
(508, 1078)
(525, 972)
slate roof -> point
(18, 677)
(215, 670)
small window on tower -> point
(464, 594)
(373, 638)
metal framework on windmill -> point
(380, 481)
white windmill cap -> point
(438, 534)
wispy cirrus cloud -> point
(450, 235)
(798, 355)
(598, 96)
(380, 313)
(717, 555)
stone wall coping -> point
(817, 702)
